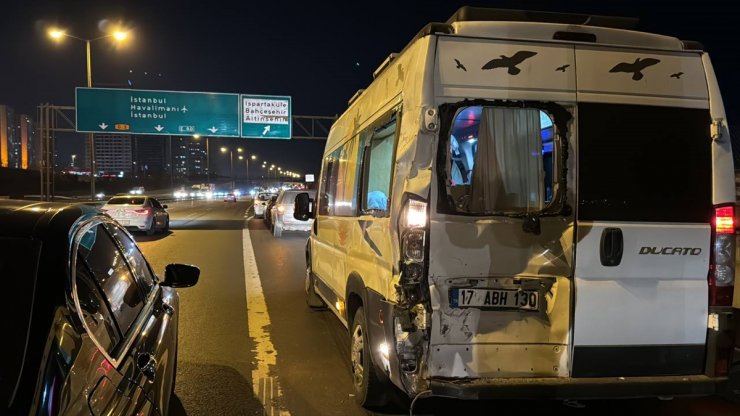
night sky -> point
(320, 53)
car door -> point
(132, 378)
(156, 344)
(109, 303)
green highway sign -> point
(266, 117)
(103, 110)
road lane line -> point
(258, 319)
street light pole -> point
(90, 136)
(119, 36)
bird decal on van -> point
(510, 62)
(562, 68)
(459, 65)
(635, 67)
(677, 75)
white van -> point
(528, 204)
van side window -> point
(338, 184)
(500, 160)
(377, 158)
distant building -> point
(149, 156)
(113, 153)
(8, 145)
(189, 157)
(30, 146)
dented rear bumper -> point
(577, 388)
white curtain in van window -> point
(508, 174)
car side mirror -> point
(303, 205)
(164, 206)
(180, 275)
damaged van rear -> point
(531, 205)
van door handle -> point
(612, 247)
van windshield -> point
(644, 163)
(500, 160)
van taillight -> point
(724, 220)
(722, 266)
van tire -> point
(313, 300)
(277, 230)
(370, 390)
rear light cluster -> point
(281, 209)
(144, 211)
(413, 243)
(722, 266)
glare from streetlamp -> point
(119, 35)
(272, 166)
(224, 150)
(56, 33)
(254, 157)
(241, 157)
(196, 136)
(239, 149)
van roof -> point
(478, 14)
(530, 25)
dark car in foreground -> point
(89, 327)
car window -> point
(135, 259)
(94, 308)
(106, 262)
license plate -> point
(528, 300)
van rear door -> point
(642, 240)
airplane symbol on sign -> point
(184, 109)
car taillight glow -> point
(722, 265)
(144, 211)
(280, 209)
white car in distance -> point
(260, 203)
(138, 213)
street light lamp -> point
(119, 36)
(231, 158)
(246, 160)
(73, 160)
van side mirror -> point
(303, 205)
(180, 275)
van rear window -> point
(644, 163)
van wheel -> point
(313, 300)
(370, 390)
(277, 230)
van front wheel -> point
(370, 390)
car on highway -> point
(138, 213)
(230, 197)
(282, 213)
(90, 328)
(137, 190)
(260, 203)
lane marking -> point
(265, 385)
